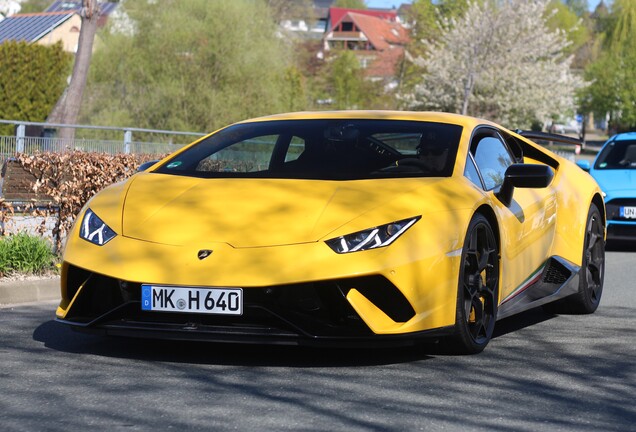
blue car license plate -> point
(628, 212)
(222, 301)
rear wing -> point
(548, 137)
(544, 136)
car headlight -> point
(371, 238)
(95, 230)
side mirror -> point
(584, 164)
(144, 166)
(523, 176)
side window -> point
(296, 147)
(492, 158)
(470, 172)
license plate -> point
(628, 212)
(221, 301)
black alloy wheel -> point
(477, 295)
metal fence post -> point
(127, 141)
(20, 131)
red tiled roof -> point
(337, 14)
(381, 33)
(385, 63)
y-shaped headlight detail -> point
(371, 238)
(95, 230)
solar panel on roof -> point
(62, 6)
(29, 28)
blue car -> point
(615, 171)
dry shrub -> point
(71, 179)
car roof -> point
(626, 136)
(440, 117)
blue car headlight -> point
(95, 230)
(371, 238)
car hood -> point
(180, 210)
(616, 182)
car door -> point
(527, 225)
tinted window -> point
(617, 155)
(492, 158)
(322, 149)
(470, 172)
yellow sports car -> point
(366, 227)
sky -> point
(390, 3)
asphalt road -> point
(540, 373)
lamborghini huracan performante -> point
(331, 228)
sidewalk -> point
(29, 290)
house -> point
(105, 9)
(46, 28)
(60, 22)
(377, 38)
(336, 14)
(310, 27)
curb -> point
(29, 291)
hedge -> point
(70, 180)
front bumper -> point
(238, 335)
(621, 231)
(620, 228)
(311, 313)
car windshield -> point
(617, 155)
(327, 149)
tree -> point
(579, 7)
(498, 61)
(612, 88)
(350, 4)
(190, 65)
(34, 6)
(562, 17)
(428, 19)
(453, 9)
(67, 108)
(285, 9)
(32, 78)
(294, 90)
(424, 19)
(346, 78)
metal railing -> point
(156, 141)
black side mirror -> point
(144, 166)
(523, 176)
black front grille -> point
(309, 309)
(622, 232)
(613, 208)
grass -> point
(25, 253)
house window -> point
(347, 26)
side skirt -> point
(555, 279)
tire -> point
(592, 271)
(478, 288)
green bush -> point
(24, 253)
(32, 78)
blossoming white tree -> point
(498, 61)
